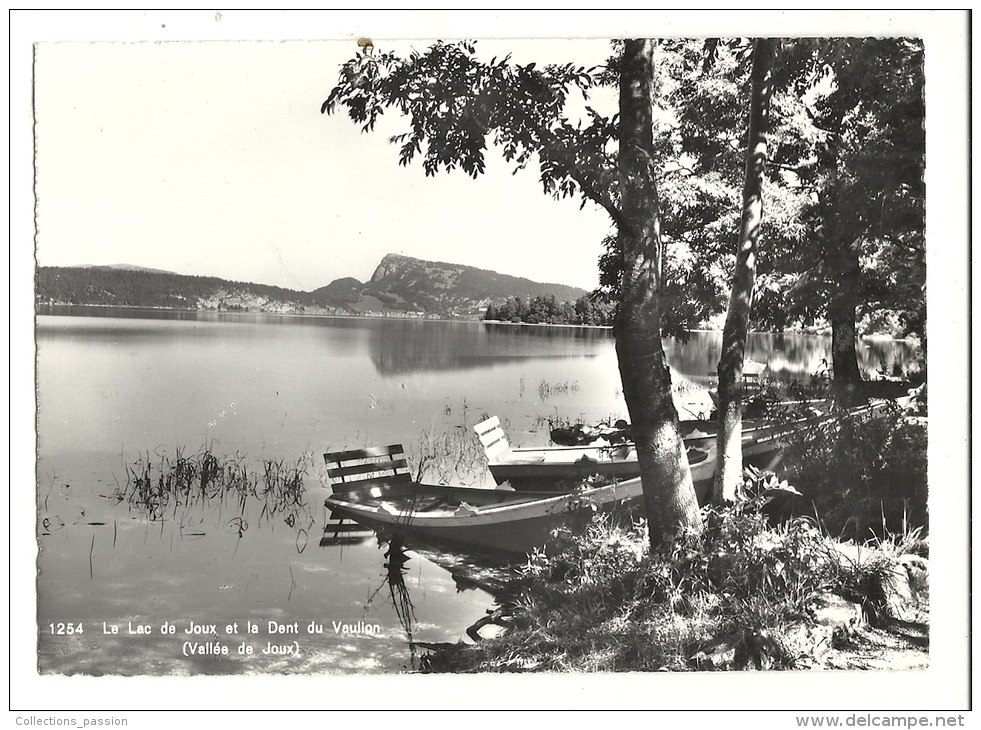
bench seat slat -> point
(347, 471)
(363, 484)
(496, 448)
(491, 436)
(484, 426)
(367, 453)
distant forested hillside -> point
(400, 285)
(142, 288)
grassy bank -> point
(835, 576)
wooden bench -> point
(369, 472)
(492, 437)
(364, 473)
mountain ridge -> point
(399, 285)
(123, 267)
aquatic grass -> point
(178, 484)
(682, 386)
(282, 490)
(51, 487)
(546, 389)
(551, 422)
(452, 456)
(817, 386)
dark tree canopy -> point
(875, 87)
(547, 310)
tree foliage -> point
(847, 145)
(456, 104)
(548, 310)
(866, 170)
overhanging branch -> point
(559, 152)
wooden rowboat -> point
(373, 488)
(495, 519)
(518, 522)
(562, 467)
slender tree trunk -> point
(842, 313)
(669, 495)
(729, 456)
(841, 242)
(844, 267)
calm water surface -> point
(117, 386)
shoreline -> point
(415, 317)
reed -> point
(176, 484)
(551, 422)
(547, 390)
(453, 456)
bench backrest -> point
(369, 472)
(492, 437)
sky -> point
(212, 158)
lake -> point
(232, 587)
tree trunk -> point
(729, 454)
(842, 244)
(669, 495)
(841, 234)
(842, 312)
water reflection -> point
(787, 356)
(345, 533)
(395, 567)
(409, 346)
(473, 571)
(397, 346)
(563, 332)
(457, 346)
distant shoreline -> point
(546, 324)
(400, 316)
(415, 317)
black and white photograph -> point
(352, 349)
